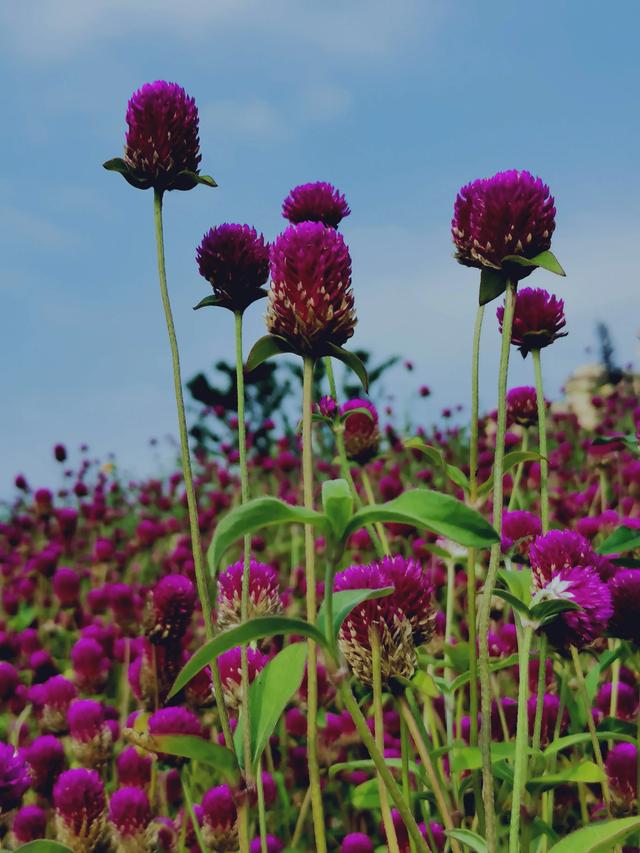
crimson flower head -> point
(169, 609)
(537, 320)
(511, 213)
(519, 527)
(130, 814)
(14, 778)
(264, 592)
(219, 819)
(80, 809)
(521, 406)
(315, 202)
(29, 824)
(310, 301)
(361, 431)
(556, 550)
(229, 664)
(625, 596)
(622, 770)
(234, 259)
(174, 721)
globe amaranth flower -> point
(130, 816)
(511, 213)
(81, 810)
(550, 709)
(169, 609)
(401, 620)
(310, 301)
(315, 202)
(519, 527)
(229, 664)
(134, 768)
(56, 695)
(219, 819)
(14, 778)
(162, 137)
(361, 430)
(274, 845)
(234, 259)
(90, 665)
(627, 706)
(46, 760)
(537, 320)
(356, 842)
(264, 593)
(91, 737)
(558, 549)
(625, 597)
(29, 824)
(622, 769)
(522, 406)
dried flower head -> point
(229, 664)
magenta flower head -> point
(130, 816)
(162, 148)
(361, 430)
(519, 527)
(229, 666)
(625, 597)
(356, 842)
(134, 768)
(14, 778)
(80, 809)
(57, 695)
(219, 819)
(538, 320)
(558, 549)
(622, 770)
(46, 760)
(29, 824)
(511, 213)
(521, 406)
(264, 593)
(234, 259)
(174, 721)
(91, 737)
(315, 202)
(310, 301)
(169, 609)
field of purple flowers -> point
(341, 637)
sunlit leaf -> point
(598, 837)
(470, 839)
(586, 771)
(545, 260)
(623, 539)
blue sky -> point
(396, 103)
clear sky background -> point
(398, 103)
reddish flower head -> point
(361, 431)
(81, 809)
(264, 592)
(511, 213)
(14, 778)
(29, 824)
(558, 549)
(518, 530)
(521, 406)
(130, 814)
(625, 597)
(310, 300)
(622, 770)
(315, 202)
(219, 824)
(169, 609)
(234, 259)
(537, 321)
(229, 666)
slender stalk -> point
(520, 766)
(542, 676)
(246, 569)
(490, 580)
(513, 499)
(382, 536)
(302, 816)
(192, 815)
(196, 545)
(262, 815)
(349, 701)
(595, 743)
(542, 432)
(615, 680)
(376, 666)
(312, 657)
(449, 673)
(405, 748)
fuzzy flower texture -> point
(315, 202)
(234, 259)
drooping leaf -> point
(584, 737)
(511, 459)
(195, 748)
(469, 757)
(254, 629)
(513, 600)
(428, 510)
(469, 838)
(586, 771)
(265, 348)
(337, 502)
(495, 666)
(547, 611)
(598, 837)
(117, 164)
(343, 603)
(254, 515)
(493, 283)
(436, 457)
(352, 362)
(212, 301)
(545, 260)
(622, 539)
(458, 654)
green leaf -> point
(436, 457)
(195, 748)
(584, 737)
(425, 509)
(458, 654)
(254, 515)
(492, 284)
(545, 260)
(337, 502)
(211, 300)
(207, 180)
(468, 838)
(270, 693)
(623, 539)
(495, 666)
(469, 757)
(264, 349)
(343, 603)
(367, 764)
(254, 629)
(511, 459)
(518, 582)
(597, 837)
(586, 771)
(547, 611)
(513, 600)
(23, 618)
(43, 846)
(117, 164)
(366, 795)
(352, 361)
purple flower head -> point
(625, 598)
(66, 586)
(521, 406)
(219, 818)
(134, 768)
(8, 680)
(81, 809)
(169, 610)
(60, 453)
(511, 213)
(162, 137)
(310, 300)
(361, 431)
(57, 694)
(537, 320)
(556, 550)
(356, 842)
(86, 719)
(130, 813)
(627, 702)
(234, 259)
(519, 527)
(413, 593)
(315, 202)
(577, 628)
(29, 824)
(90, 665)
(622, 770)
(550, 709)
(229, 667)
(14, 778)
(46, 760)
(174, 721)
(264, 592)
(327, 407)
(274, 845)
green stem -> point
(522, 737)
(376, 667)
(449, 698)
(192, 815)
(405, 748)
(542, 676)
(262, 815)
(490, 580)
(196, 545)
(312, 658)
(395, 793)
(513, 500)
(382, 536)
(542, 432)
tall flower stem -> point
(382, 536)
(542, 676)
(522, 736)
(513, 499)
(376, 666)
(405, 748)
(196, 545)
(312, 657)
(349, 701)
(542, 432)
(262, 815)
(490, 580)
(595, 743)
(449, 699)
